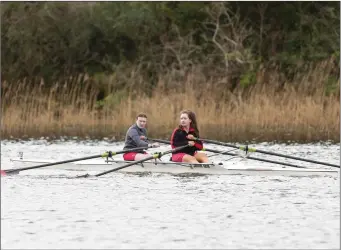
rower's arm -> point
(136, 138)
(199, 145)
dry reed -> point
(299, 111)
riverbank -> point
(260, 113)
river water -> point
(126, 211)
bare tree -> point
(229, 34)
(181, 48)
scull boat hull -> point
(175, 168)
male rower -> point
(136, 137)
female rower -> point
(184, 134)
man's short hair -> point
(141, 115)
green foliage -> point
(55, 40)
(332, 85)
(248, 78)
(112, 100)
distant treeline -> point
(56, 41)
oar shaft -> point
(298, 158)
(154, 156)
(125, 166)
(270, 153)
(72, 160)
(249, 157)
(255, 158)
(51, 164)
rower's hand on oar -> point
(191, 143)
(190, 137)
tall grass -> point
(268, 110)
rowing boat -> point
(175, 168)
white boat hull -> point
(174, 168)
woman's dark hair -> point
(193, 118)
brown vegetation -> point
(299, 110)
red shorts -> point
(131, 156)
(178, 156)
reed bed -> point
(269, 110)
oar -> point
(256, 159)
(107, 154)
(247, 149)
(248, 157)
(154, 156)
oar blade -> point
(83, 176)
(9, 173)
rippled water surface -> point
(164, 211)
